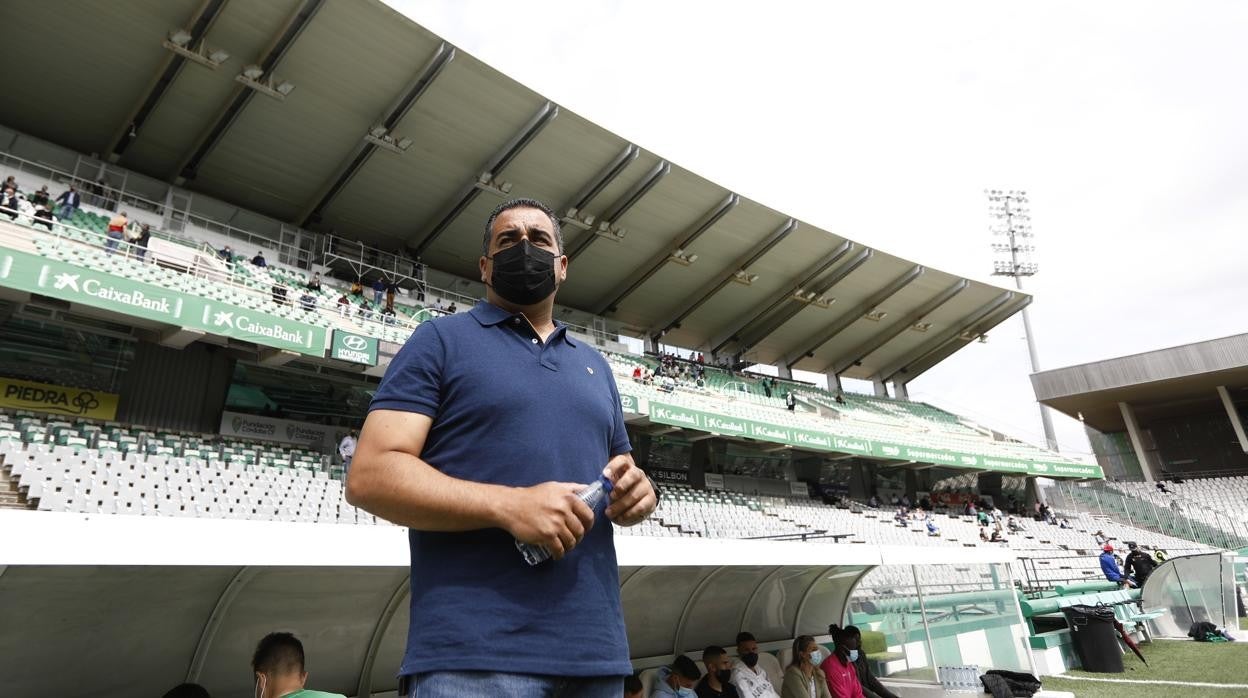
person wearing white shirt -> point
(749, 678)
(346, 449)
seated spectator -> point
(840, 669)
(997, 537)
(983, 534)
(633, 688)
(279, 668)
(279, 294)
(11, 183)
(1065, 523)
(874, 502)
(983, 518)
(700, 383)
(315, 283)
(871, 686)
(42, 197)
(259, 260)
(669, 384)
(1109, 567)
(637, 373)
(747, 677)
(344, 305)
(307, 301)
(932, 530)
(141, 240)
(680, 674)
(44, 217)
(9, 204)
(1013, 525)
(718, 680)
(802, 677)
(187, 690)
(226, 253)
(1100, 538)
(451, 310)
(387, 315)
(365, 311)
(116, 229)
(357, 289)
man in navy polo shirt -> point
(482, 430)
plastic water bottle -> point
(593, 494)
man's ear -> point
(485, 279)
(563, 268)
(303, 679)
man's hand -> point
(549, 514)
(632, 498)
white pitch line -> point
(1156, 681)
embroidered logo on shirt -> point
(591, 371)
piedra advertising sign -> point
(57, 399)
(356, 348)
(250, 426)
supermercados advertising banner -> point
(57, 399)
(49, 277)
(250, 426)
(843, 443)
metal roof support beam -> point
(851, 316)
(917, 368)
(808, 277)
(705, 293)
(641, 275)
(122, 139)
(613, 215)
(364, 150)
(213, 622)
(494, 166)
(894, 329)
(364, 686)
(600, 181)
(243, 94)
(927, 348)
(787, 312)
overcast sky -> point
(1127, 123)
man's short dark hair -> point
(684, 667)
(187, 690)
(521, 203)
(278, 653)
(713, 652)
(745, 637)
(632, 683)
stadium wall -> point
(179, 389)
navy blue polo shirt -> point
(509, 409)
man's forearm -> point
(405, 490)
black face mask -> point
(750, 659)
(724, 675)
(523, 274)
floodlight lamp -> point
(404, 143)
(181, 37)
(219, 56)
(679, 252)
(285, 87)
(484, 178)
(753, 278)
(253, 72)
(377, 131)
(693, 258)
(505, 187)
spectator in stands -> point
(637, 373)
(983, 518)
(387, 315)
(451, 309)
(187, 690)
(1013, 525)
(633, 688)
(1101, 538)
(1139, 565)
(357, 289)
(226, 253)
(392, 288)
(307, 301)
(997, 537)
(874, 502)
(718, 680)
(10, 182)
(315, 283)
(1109, 567)
(983, 534)
(790, 401)
(9, 203)
(116, 230)
(279, 668)
(379, 288)
(259, 260)
(840, 669)
(749, 679)
(44, 217)
(279, 294)
(1065, 523)
(344, 305)
(677, 679)
(840, 398)
(70, 200)
(932, 530)
(871, 686)
(141, 240)
(42, 197)
(346, 450)
(365, 311)
(802, 677)
(1161, 486)
(469, 474)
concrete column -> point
(1033, 494)
(651, 345)
(899, 391)
(881, 388)
(641, 447)
(912, 485)
(834, 383)
(989, 484)
(859, 485)
(784, 371)
(1137, 441)
(1236, 423)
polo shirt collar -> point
(490, 315)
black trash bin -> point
(1095, 638)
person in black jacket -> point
(1138, 562)
(871, 686)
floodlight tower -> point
(1010, 223)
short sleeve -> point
(413, 382)
(619, 435)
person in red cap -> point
(1109, 566)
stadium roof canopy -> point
(669, 253)
(1157, 385)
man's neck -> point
(540, 315)
(283, 687)
(713, 682)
